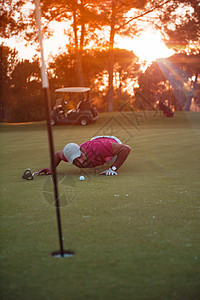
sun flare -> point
(148, 46)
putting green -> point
(135, 235)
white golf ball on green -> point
(81, 178)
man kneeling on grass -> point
(96, 152)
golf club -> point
(28, 175)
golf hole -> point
(66, 253)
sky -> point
(148, 46)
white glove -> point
(108, 172)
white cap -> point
(71, 151)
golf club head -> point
(27, 175)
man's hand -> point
(108, 172)
(45, 171)
(57, 160)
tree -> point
(80, 17)
(190, 64)
(152, 85)
(180, 21)
(21, 97)
(95, 70)
(8, 61)
(173, 80)
(113, 12)
(25, 85)
(86, 18)
(8, 24)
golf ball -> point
(81, 178)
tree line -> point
(108, 71)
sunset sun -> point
(148, 46)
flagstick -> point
(45, 85)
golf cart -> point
(85, 113)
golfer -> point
(96, 152)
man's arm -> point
(122, 152)
(57, 160)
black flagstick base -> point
(61, 252)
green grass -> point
(136, 235)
